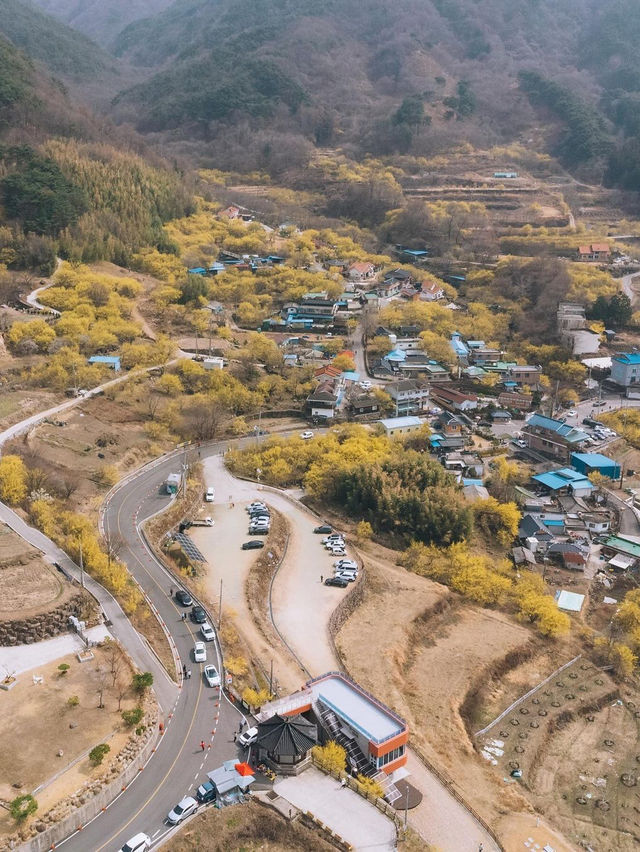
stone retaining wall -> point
(46, 625)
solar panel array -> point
(189, 547)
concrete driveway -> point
(357, 821)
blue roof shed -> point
(112, 361)
(587, 463)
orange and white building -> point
(374, 736)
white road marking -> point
(156, 833)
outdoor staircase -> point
(391, 792)
(356, 759)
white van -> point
(210, 494)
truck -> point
(172, 483)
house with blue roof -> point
(625, 369)
(565, 481)
(552, 437)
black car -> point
(258, 530)
(253, 545)
(184, 598)
(324, 529)
(198, 615)
(340, 582)
(206, 793)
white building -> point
(625, 369)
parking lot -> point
(302, 604)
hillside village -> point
(319, 426)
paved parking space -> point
(345, 812)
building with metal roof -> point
(401, 425)
(625, 369)
(565, 480)
(112, 361)
(552, 437)
(569, 601)
(587, 463)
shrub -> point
(141, 682)
(22, 807)
(98, 753)
(331, 756)
(73, 701)
(132, 717)
(63, 668)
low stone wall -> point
(46, 625)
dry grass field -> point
(38, 723)
(430, 649)
(249, 827)
(28, 585)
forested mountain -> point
(61, 49)
(101, 20)
(70, 182)
(390, 76)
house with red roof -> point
(431, 292)
(361, 270)
(594, 251)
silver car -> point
(182, 810)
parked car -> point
(261, 526)
(599, 403)
(199, 653)
(259, 530)
(184, 598)
(340, 582)
(306, 435)
(345, 563)
(337, 550)
(333, 539)
(256, 519)
(182, 810)
(211, 675)
(257, 504)
(519, 442)
(366, 385)
(208, 633)
(198, 614)
(252, 545)
(210, 494)
(323, 528)
(589, 421)
(571, 413)
(248, 737)
(349, 576)
(206, 792)
(138, 843)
